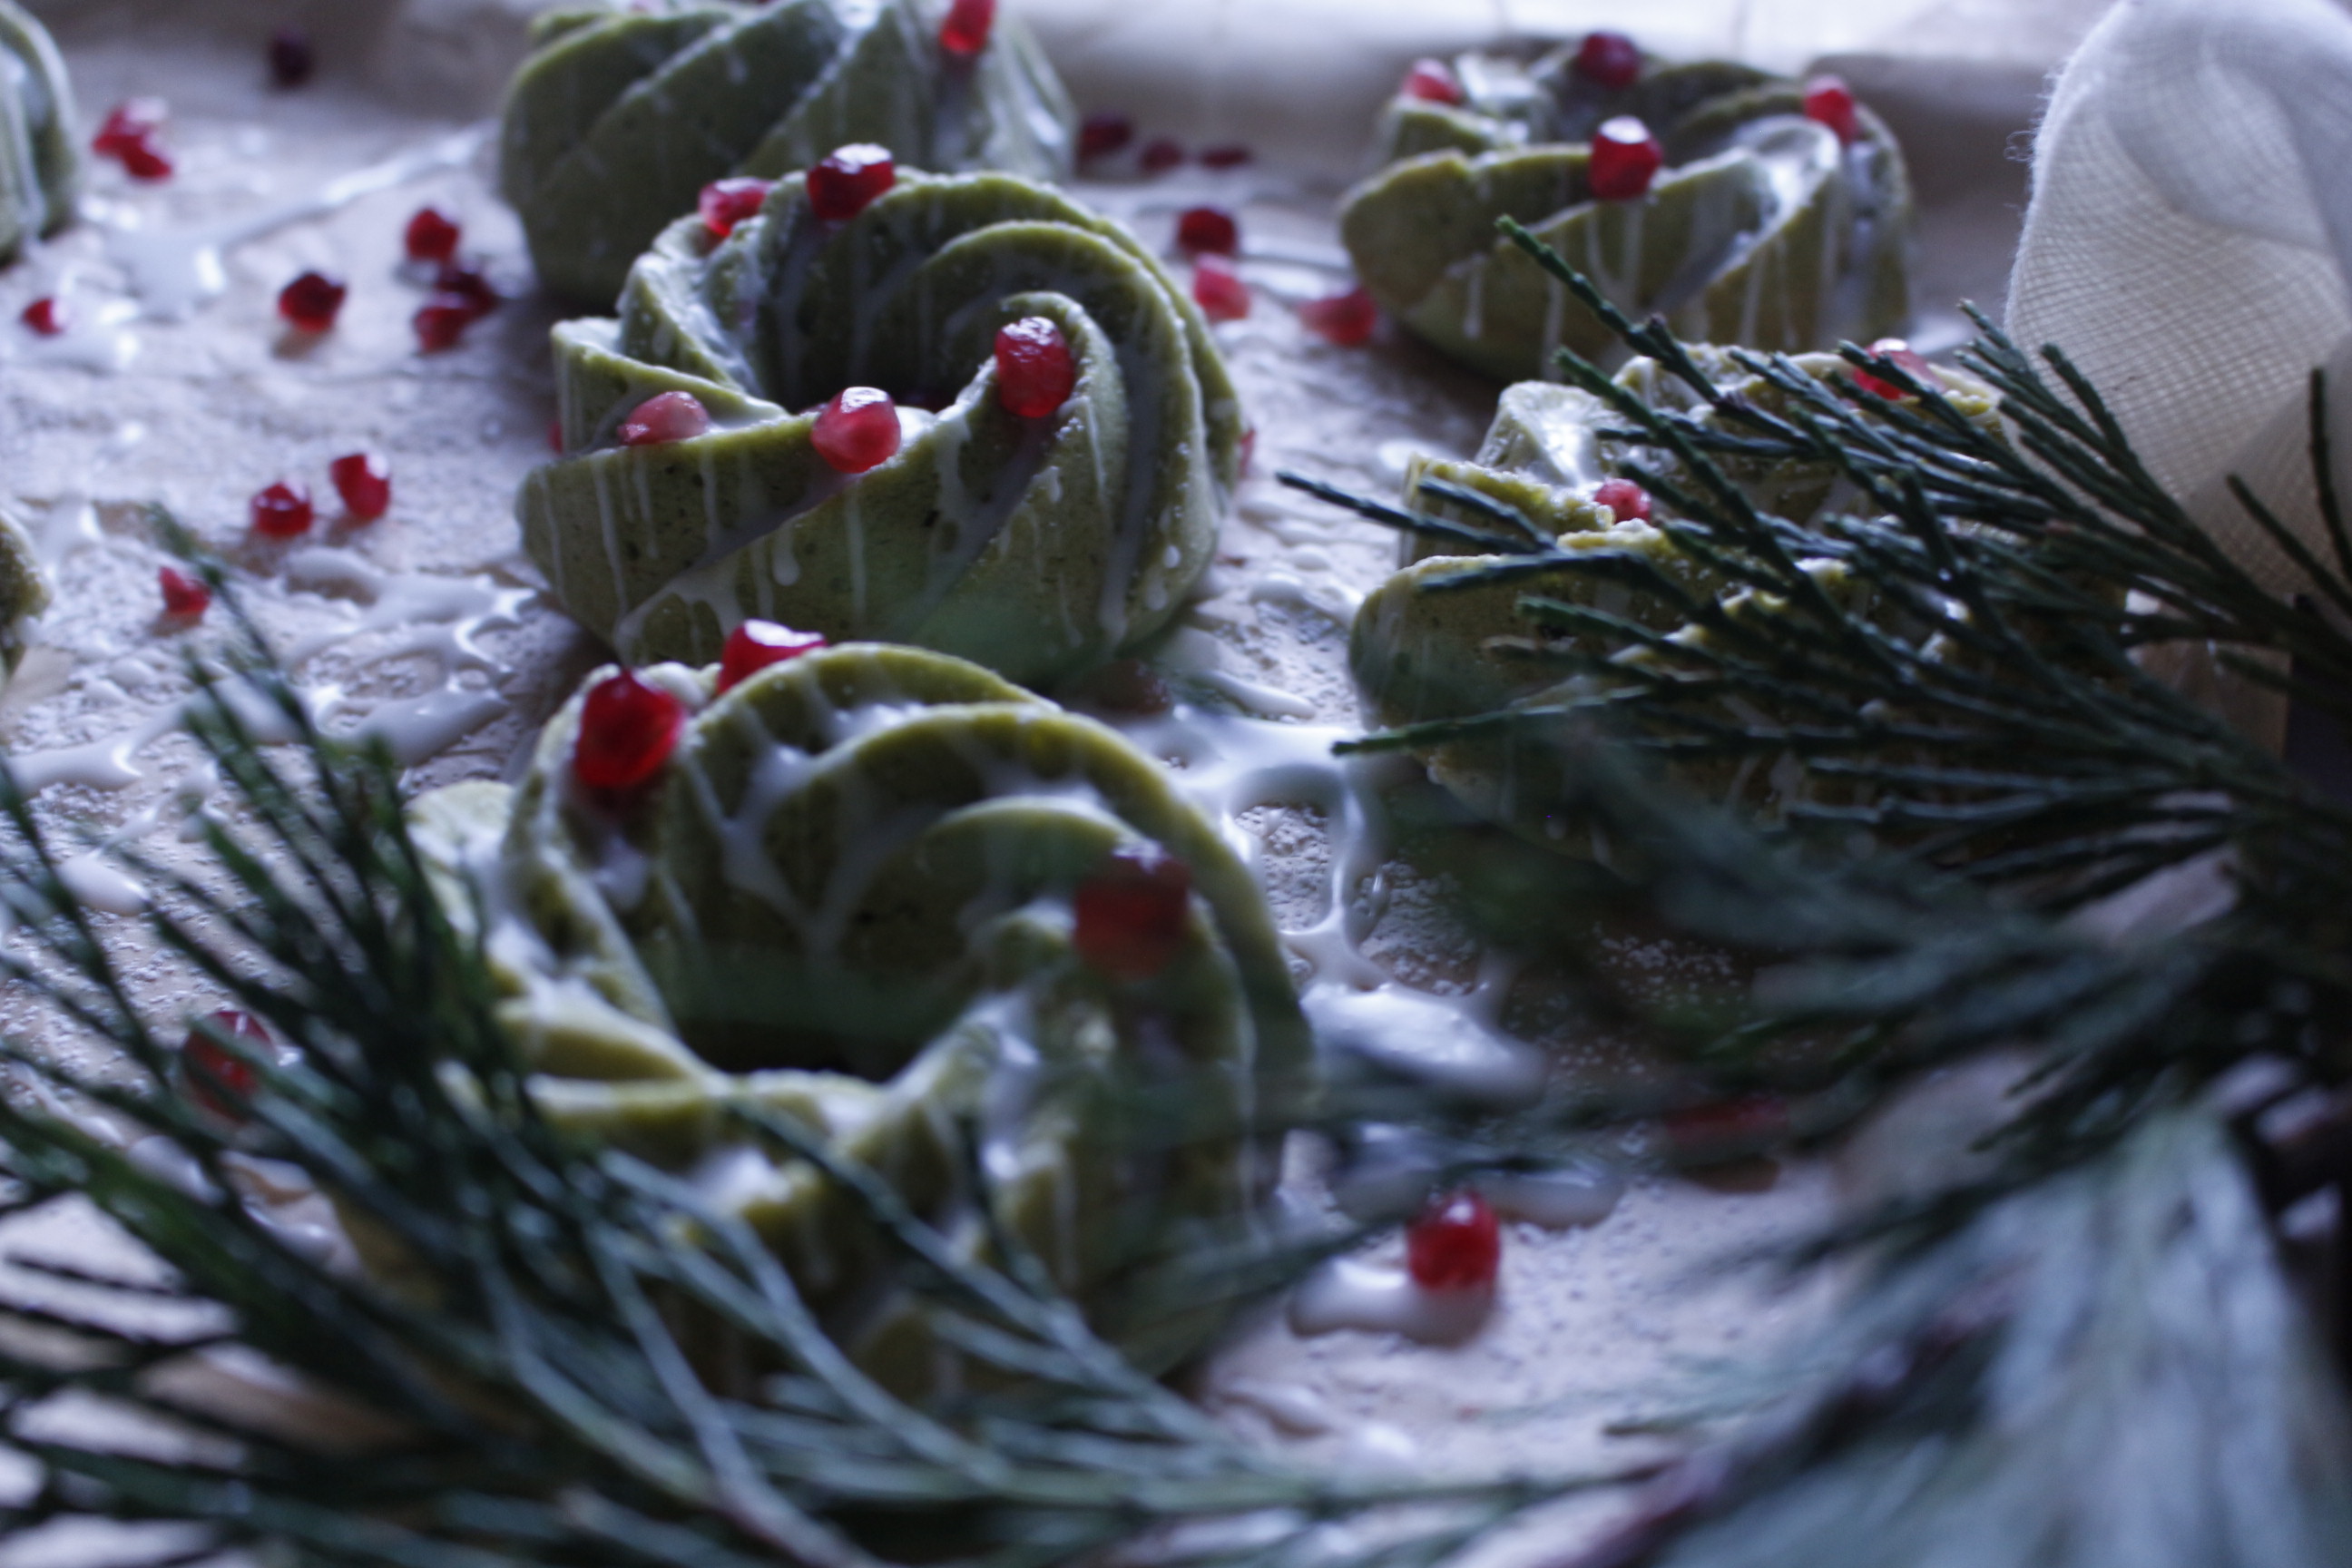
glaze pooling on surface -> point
(1762, 230)
(620, 117)
(1034, 546)
(847, 900)
(41, 163)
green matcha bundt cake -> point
(620, 117)
(886, 895)
(1746, 208)
(1053, 509)
(40, 167)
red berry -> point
(184, 597)
(627, 731)
(470, 284)
(1103, 134)
(146, 160)
(129, 124)
(441, 322)
(966, 30)
(844, 184)
(668, 417)
(1036, 372)
(312, 301)
(364, 482)
(1130, 916)
(216, 1081)
(1208, 230)
(1902, 353)
(1629, 500)
(1434, 81)
(726, 203)
(1219, 290)
(1160, 154)
(755, 644)
(1346, 320)
(1625, 158)
(292, 60)
(283, 511)
(857, 430)
(1230, 155)
(1456, 1245)
(46, 316)
(1608, 59)
(1829, 101)
(1725, 1127)
(555, 436)
(431, 236)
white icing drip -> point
(1346, 1294)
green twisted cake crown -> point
(1762, 230)
(619, 118)
(40, 166)
(1034, 546)
(847, 900)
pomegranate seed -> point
(441, 322)
(755, 644)
(627, 731)
(1208, 230)
(364, 482)
(966, 30)
(1130, 916)
(208, 1072)
(292, 60)
(844, 184)
(726, 203)
(1726, 1128)
(1125, 686)
(129, 124)
(1625, 158)
(666, 417)
(1219, 290)
(186, 598)
(1103, 134)
(1829, 101)
(146, 160)
(857, 430)
(1229, 156)
(1629, 500)
(1036, 372)
(470, 284)
(1608, 59)
(312, 301)
(431, 236)
(283, 511)
(555, 436)
(1346, 320)
(1456, 1245)
(1160, 154)
(1902, 353)
(1434, 81)
(45, 315)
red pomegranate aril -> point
(441, 322)
(312, 301)
(627, 731)
(1724, 1128)
(1610, 61)
(966, 30)
(214, 1080)
(364, 482)
(129, 124)
(1160, 154)
(146, 161)
(1902, 353)
(470, 284)
(46, 316)
(431, 236)
(847, 182)
(666, 417)
(1208, 230)
(186, 598)
(1131, 916)
(1229, 156)
(292, 59)
(1100, 135)
(1346, 320)
(1036, 372)
(1829, 101)
(756, 645)
(1434, 81)
(726, 203)
(856, 431)
(283, 511)
(1219, 290)
(1629, 500)
(1625, 158)
(1456, 1245)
